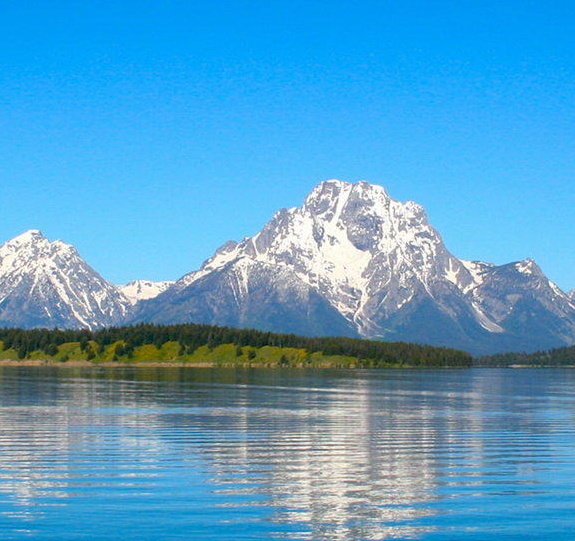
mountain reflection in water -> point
(202, 454)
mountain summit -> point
(352, 260)
(48, 284)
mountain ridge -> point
(349, 261)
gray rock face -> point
(249, 294)
(48, 284)
(353, 261)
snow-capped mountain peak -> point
(31, 235)
(138, 290)
(347, 241)
(47, 283)
(528, 266)
(31, 246)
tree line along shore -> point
(207, 345)
(563, 357)
(196, 344)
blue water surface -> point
(201, 454)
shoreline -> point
(107, 364)
(83, 363)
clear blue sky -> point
(149, 133)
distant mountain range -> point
(350, 261)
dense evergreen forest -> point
(192, 342)
(564, 356)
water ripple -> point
(287, 455)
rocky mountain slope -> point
(351, 260)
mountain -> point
(138, 290)
(353, 261)
(572, 294)
(48, 284)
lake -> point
(204, 454)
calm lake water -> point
(197, 454)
